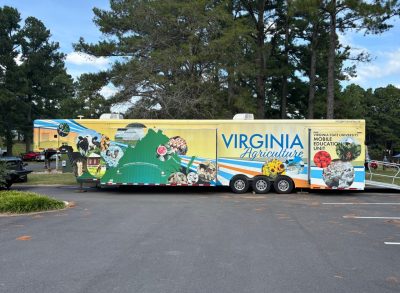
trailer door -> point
(336, 157)
(197, 149)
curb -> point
(67, 206)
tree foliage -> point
(213, 58)
(88, 100)
(201, 59)
(172, 62)
(33, 78)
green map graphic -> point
(141, 165)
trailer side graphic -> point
(287, 153)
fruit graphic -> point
(322, 159)
(162, 150)
(178, 145)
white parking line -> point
(362, 203)
(392, 243)
(385, 218)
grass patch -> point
(51, 179)
(379, 175)
(19, 148)
(18, 202)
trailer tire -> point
(283, 185)
(261, 184)
(239, 184)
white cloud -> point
(78, 58)
(348, 40)
(18, 59)
(344, 39)
(108, 91)
(386, 65)
(393, 62)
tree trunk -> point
(9, 142)
(285, 68)
(231, 87)
(284, 97)
(311, 93)
(231, 72)
(331, 63)
(28, 131)
(313, 69)
(260, 62)
(260, 97)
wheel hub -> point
(240, 184)
(261, 185)
(283, 185)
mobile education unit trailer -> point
(324, 154)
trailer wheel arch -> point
(239, 183)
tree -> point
(88, 100)
(33, 87)
(344, 15)
(351, 103)
(46, 80)
(383, 120)
(10, 111)
(261, 16)
(170, 65)
(312, 29)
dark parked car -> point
(16, 171)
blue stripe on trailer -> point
(225, 175)
(191, 168)
(76, 123)
(50, 125)
(119, 144)
(305, 170)
(359, 176)
(242, 163)
(41, 123)
(316, 173)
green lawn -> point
(49, 179)
(17, 202)
(18, 147)
(377, 175)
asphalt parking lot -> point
(199, 240)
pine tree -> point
(46, 80)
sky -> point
(68, 20)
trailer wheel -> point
(261, 184)
(239, 184)
(283, 184)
